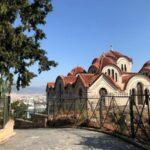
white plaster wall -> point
(105, 70)
(146, 73)
(93, 92)
(123, 60)
(132, 83)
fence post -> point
(48, 105)
(131, 101)
(101, 110)
(74, 108)
(147, 103)
(53, 109)
(87, 116)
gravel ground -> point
(64, 139)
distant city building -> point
(36, 102)
(111, 73)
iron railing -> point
(114, 114)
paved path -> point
(63, 139)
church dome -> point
(146, 66)
(101, 62)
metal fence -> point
(4, 110)
(114, 114)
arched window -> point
(146, 92)
(122, 67)
(103, 92)
(116, 77)
(80, 93)
(93, 71)
(140, 93)
(109, 72)
(113, 76)
(125, 68)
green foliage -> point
(20, 35)
(20, 109)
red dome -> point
(146, 66)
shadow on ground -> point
(105, 142)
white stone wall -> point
(146, 73)
(105, 70)
(93, 92)
(124, 61)
(132, 83)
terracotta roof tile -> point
(104, 60)
(127, 76)
(76, 71)
(88, 79)
(68, 79)
(51, 84)
(116, 55)
(146, 66)
(112, 81)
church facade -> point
(109, 74)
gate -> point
(112, 114)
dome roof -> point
(76, 71)
(95, 60)
(146, 66)
(101, 62)
(116, 55)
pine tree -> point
(20, 42)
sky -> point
(80, 30)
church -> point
(109, 74)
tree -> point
(20, 35)
(20, 109)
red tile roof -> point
(116, 55)
(104, 60)
(109, 58)
(88, 79)
(68, 79)
(127, 76)
(76, 71)
(112, 81)
(51, 84)
(146, 66)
